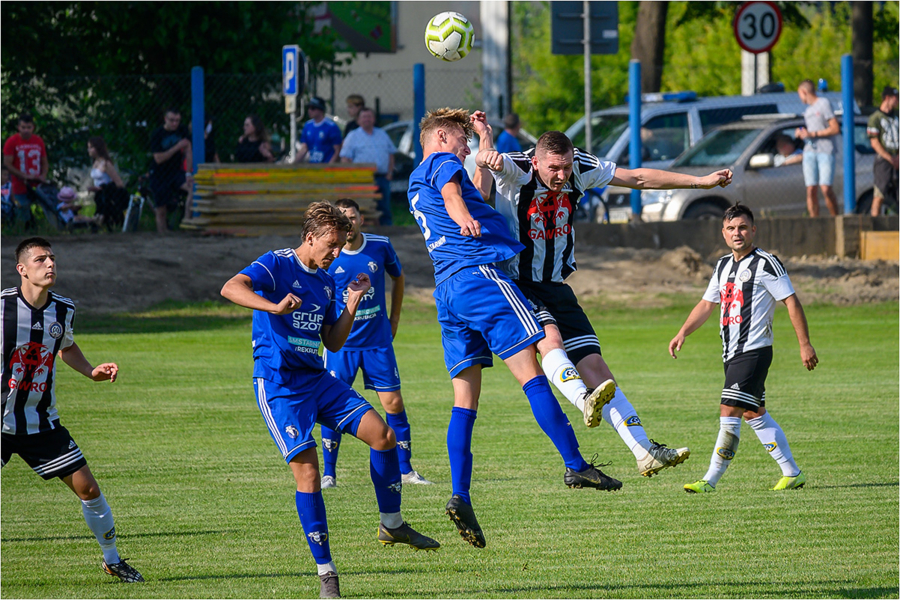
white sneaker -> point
(595, 400)
(414, 478)
(660, 457)
(328, 482)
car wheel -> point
(704, 210)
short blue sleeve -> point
(392, 261)
(444, 171)
(262, 272)
(335, 134)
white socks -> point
(621, 415)
(564, 376)
(326, 568)
(391, 520)
(772, 437)
(99, 518)
(726, 448)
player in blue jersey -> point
(480, 310)
(294, 309)
(369, 345)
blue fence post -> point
(418, 106)
(198, 124)
(634, 124)
(849, 146)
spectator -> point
(883, 134)
(321, 137)
(508, 140)
(68, 210)
(25, 157)
(818, 151)
(253, 146)
(9, 213)
(788, 153)
(110, 196)
(355, 103)
(173, 159)
(370, 144)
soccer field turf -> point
(204, 505)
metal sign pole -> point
(588, 130)
(293, 153)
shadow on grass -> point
(293, 574)
(57, 538)
(168, 317)
(858, 485)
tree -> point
(863, 30)
(649, 43)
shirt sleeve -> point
(827, 111)
(156, 142)
(347, 148)
(336, 135)
(595, 172)
(779, 287)
(513, 172)
(388, 144)
(69, 334)
(262, 272)
(392, 261)
(873, 127)
(712, 290)
(8, 147)
(445, 169)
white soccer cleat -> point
(413, 477)
(595, 400)
(660, 457)
(328, 482)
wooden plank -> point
(879, 245)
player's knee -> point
(394, 404)
(387, 440)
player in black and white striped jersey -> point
(537, 192)
(746, 284)
(37, 326)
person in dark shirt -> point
(254, 145)
(355, 103)
(172, 158)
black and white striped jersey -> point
(31, 339)
(542, 220)
(747, 292)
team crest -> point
(395, 487)
(318, 537)
(770, 447)
(725, 453)
(110, 535)
(745, 275)
(330, 445)
(632, 421)
(373, 266)
(292, 432)
(406, 445)
(569, 374)
(55, 330)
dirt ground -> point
(125, 273)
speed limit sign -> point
(757, 26)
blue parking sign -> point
(290, 68)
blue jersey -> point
(449, 249)
(320, 139)
(283, 344)
(371, 327)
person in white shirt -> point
(370, 144)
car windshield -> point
(395, 131)
(721, 148)
(605, 130)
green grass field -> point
(204, 505)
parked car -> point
(401, 133)
(748, 148)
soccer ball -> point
(449, 36)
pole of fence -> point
(849, 146)
(198, 124)
(588, 125)
(418, 106)
(634, 124)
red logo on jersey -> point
(30, 365)
(732, 299)
(550, 218)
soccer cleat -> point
(660, 457)
(329, 587)
(591, 477)
(595, 400)
(405, 535)
(791, 483)
(699, 487)
(463, 516)
(328, 482)
(413, 477)
(123, 571)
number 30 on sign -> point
(757, 26)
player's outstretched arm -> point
(655, 179)
(334, 335)
(698, 317)
(239, 289)
(456, 208)
(801, 328)
(74, 357)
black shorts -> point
(49, 453)
(745, 379)
(560, 302)
(885, 180)
(166, 189)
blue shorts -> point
(379, 367)
(291, 412)
(818, 168)
(481, 311)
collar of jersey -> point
(355, 252)
(302, 266)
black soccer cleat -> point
(405, 535)
(591, 477)
(329, 587)
(463, 516)
(123, 571)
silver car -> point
(748, 148)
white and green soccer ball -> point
(449, 36)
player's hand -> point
(490, 159)
(675, 345)
(183, 143)
(471, 228)
(895, 161)
(104, 372)
(360, 285)
(808, 356)
(719, 178)
(801, 133)
(288, 304)
(479, 122)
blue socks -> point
(331, 441)
(553, 421)
(385, 471)
(311, 510)
(459, 447)
(400, 425)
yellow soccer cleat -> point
(791, 483)
(699, 487)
